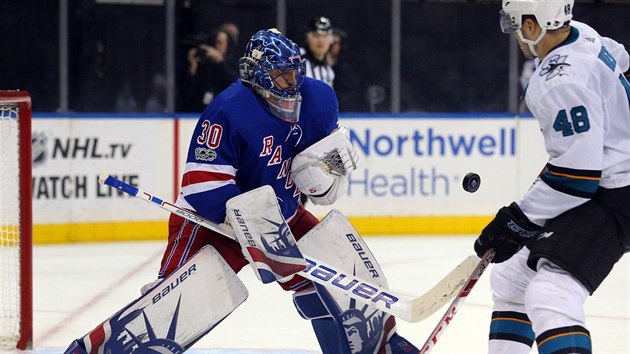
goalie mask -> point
(273, 66)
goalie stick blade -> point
(434, 299)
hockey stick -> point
(457, 303)
(410, 309)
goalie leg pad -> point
(75, 348)
(309, 305)
(350, 330)
(357, 328)
(174, 313)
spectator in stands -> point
(208, 71)
(157, 101)
(125, 101)
(233, 32)
(339, 37)
(233, 50)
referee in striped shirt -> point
(318, 40)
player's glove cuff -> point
(507, 233)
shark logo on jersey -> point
(554, 66)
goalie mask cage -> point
(16, 300)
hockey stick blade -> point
(410, 309)
(434, 299)
(457, 303)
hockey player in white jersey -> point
(559, 242)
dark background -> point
(454, 57)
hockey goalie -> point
(270, 136)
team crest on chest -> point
(554, 66)
(274, 156)
(274, 153)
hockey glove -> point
(507, 233)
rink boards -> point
(408, 180)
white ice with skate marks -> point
(78, 286)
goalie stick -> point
(457, 303)
(407, 308)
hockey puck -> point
(471, 182)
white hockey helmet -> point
(550, 14)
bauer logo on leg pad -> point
(167, 287)
(174, 314)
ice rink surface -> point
(78, 286)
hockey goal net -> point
(15, 221)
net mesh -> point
(9, 227)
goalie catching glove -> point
(507, 233)
(321, 171)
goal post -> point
(16, 290)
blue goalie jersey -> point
(238, 145)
